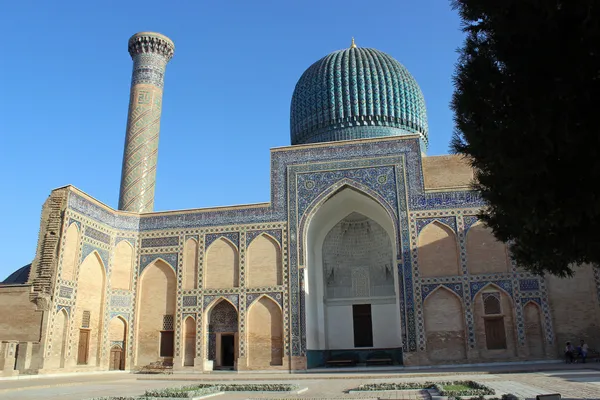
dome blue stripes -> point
(356, 93)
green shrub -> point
(472, 388)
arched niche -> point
(265, 333)
(59, 338)
(485, 254)
(437, 253)
(222, 339)
(89, 309)
(156, 313)
(222, 265)
(122, 270)
(190, 264)
(534, 330)
(264, 262)
(189, 342)
(385, 315)
(495, 325)
(444, 326)
(69, 260)
(117, 337)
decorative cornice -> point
(150, 42)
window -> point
(167, 322)
(491, 303)
(85, 319)
(363, 325)
(167, 337)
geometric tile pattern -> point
(97, 235)
(160, 241)
(233, 237)
(169, 258)
(143, 122)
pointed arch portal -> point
(351, 282)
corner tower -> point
(150, 53)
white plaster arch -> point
(335, 208)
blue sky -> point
(64, 91)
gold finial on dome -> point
(353, 45)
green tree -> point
(527, 117)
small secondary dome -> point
(357, 93)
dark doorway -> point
(227, 350)
(363, 325)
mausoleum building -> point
(368, 251)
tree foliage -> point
(527, 117)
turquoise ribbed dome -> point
(357, 93)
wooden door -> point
(116, 358)
(84, 346)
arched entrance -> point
(117, 359)
(222, 320)
(352, 302)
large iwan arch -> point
(329, 317)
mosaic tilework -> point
(233, 299)
(65, 291)
(190, 301)
(97, 235)
(120, 301)
(503, 284)
(536, 300)
(170, 258)
(448, 221)
(252, 297)
(88, 249)
(150, 56)
(251, 235)
(131, 241)
(61, 307)
(357, 87)
(233, 237)
(160, 241)
(529, 284)
(470, 220)
(100, 214)
(426, 290)
(380, 180)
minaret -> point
(150, 53)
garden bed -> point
(206, 390)
(452, 388)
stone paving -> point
(572, 382)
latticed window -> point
(491, 303)
(167, 337)
(168, 322)
(85, 319)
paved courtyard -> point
(571, 381)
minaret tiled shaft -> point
(150, 53)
